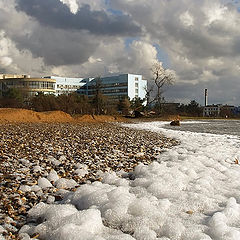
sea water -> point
(231, 127)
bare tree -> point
(162, 77)
(148, 91)
(99, 101)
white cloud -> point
(72, 4)
(187, 19)
(5, 61)
(13, 60)
(95, 5)
(214, 11)
(215, 62)
(94, 60)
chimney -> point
(206, 95)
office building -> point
(27, 85)
(116, 87)
(65, 85)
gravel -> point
(43, 162)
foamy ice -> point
(191, 193)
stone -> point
(175, 123)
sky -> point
(198, 40)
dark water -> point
(231, 127)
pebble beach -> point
(42, 162)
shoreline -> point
(43, 162)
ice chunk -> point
(44, 183)
(81, 172)
(173, 229)
(232, 211)
(38, 211)
(143, 207)
(53, 176)
(35, 188)
(73, 232)
(65, 222)
(201, 236)
(65, 183)
(144, 233)
(218, 225)
(82, 166)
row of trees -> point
(191, 109)
(70, 103)
(98, 104)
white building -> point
(114, 87)
(27, 85)
(66, 85)
(212, 110)
(117, 87)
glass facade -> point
(31, 86)
(116, 87)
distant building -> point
(7, 76)
(65, 85)
(27, 85)
(219, 110)
(212, 110)
(116, 87)
(236, 111)
(227, 111)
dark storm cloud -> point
(55, 46)
(236, 46)
(59, 47)
(3, 70)
(198, 42)
(56, 14)
(190, 75)
(185, 91)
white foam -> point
(191, 193)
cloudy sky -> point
(198, 39)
